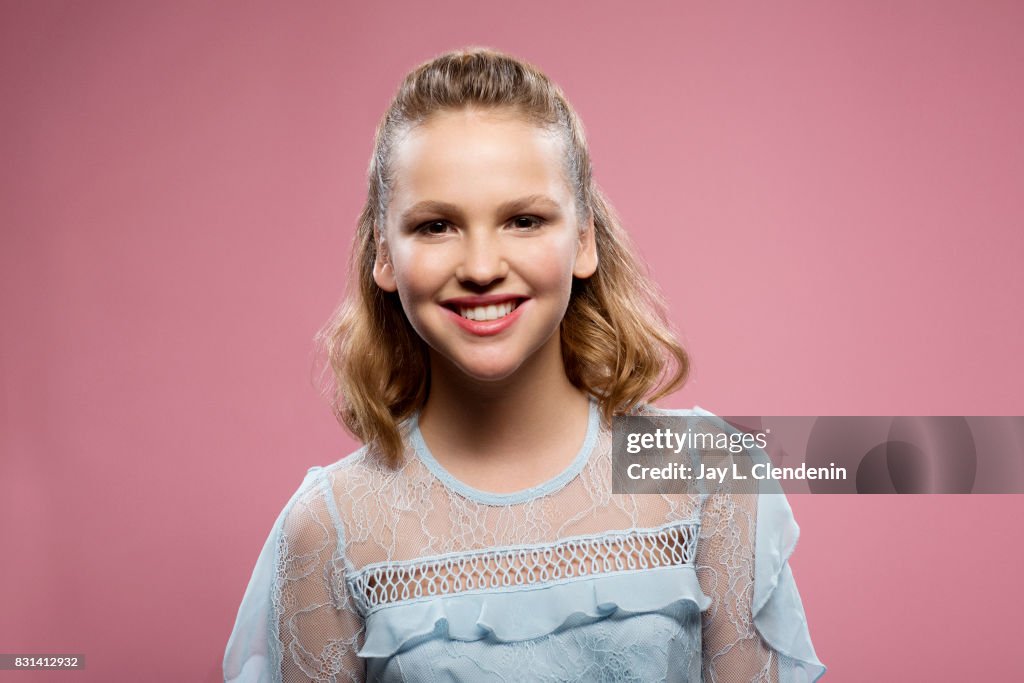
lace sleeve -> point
(755, 629)
(733, 649)
(297, 621)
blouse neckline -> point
(511, 498)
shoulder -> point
(340, 496)
(318, 476)
(717, 442)
(353, 462)
(306, 509)
(312, 513)
(361, 473)
(650, 409)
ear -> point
(586, 253)
(383, 271)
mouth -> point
(485, 313)
(485, 316)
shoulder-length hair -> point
(617, 343)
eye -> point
(527, 222)
(433, 228)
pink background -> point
(828, 193)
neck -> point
(511, 417)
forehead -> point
(473, 157)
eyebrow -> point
(511, 206)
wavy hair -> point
(617, 343)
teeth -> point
(487, 312)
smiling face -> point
(482, 241)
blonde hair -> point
(617, 343)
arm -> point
(733, 649)
(297, 621)
(318, 626)
(755, 629)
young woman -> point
(496, 321)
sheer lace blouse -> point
(374, 574)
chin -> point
(489, 375)
(483, 364)
(488, 372)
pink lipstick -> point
(485, 315)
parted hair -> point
(617, 342)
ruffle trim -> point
(777, 609)
(531, 612)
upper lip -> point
(485, 300)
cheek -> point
(417, 273)
(551, 266)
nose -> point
(482, 261)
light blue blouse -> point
(408, 574)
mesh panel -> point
(386, 584)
